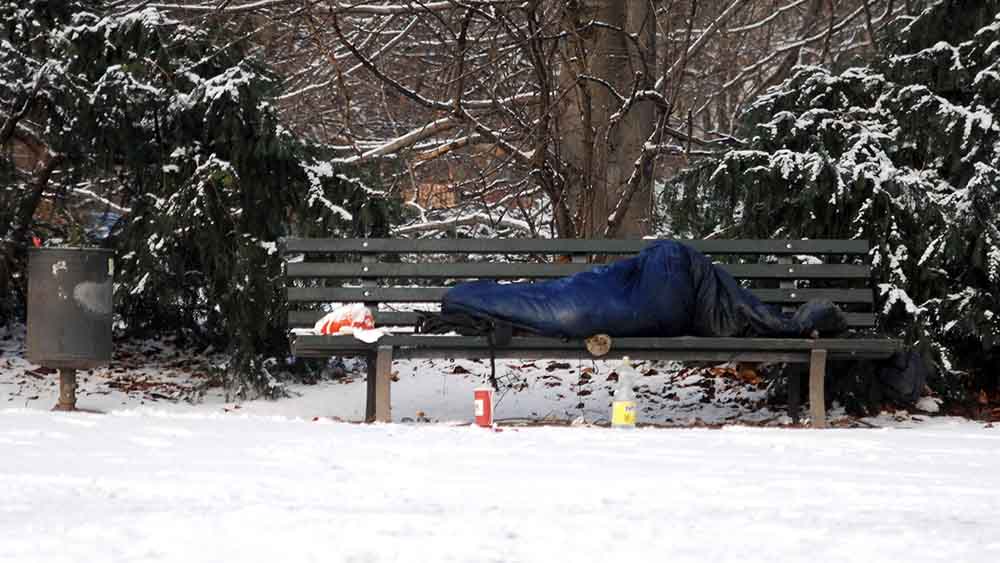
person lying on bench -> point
(668, 289)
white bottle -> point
(623, 408)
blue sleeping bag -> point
(669, 289)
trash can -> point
(69, 311)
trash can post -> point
(67, 390)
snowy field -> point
(143, 485)
(156, 477)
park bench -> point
(395, 272)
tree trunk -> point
(596, 57)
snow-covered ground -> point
(154, 374)
(147, 485)
(160, 479)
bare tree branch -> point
(340, 7)
(700, 42)
(407, 140)
(559, 99)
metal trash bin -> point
(69, 312)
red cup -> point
(483, 399)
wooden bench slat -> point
(302, 319)
(434, 294)
(569, 246)
(468, 346)
(582, 354)
(522, 270)
(641, 354)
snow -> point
(161, 486)
(993, 263)
(948, 49)
(316, 172)
(159, 478)
(929, 404)
(148, 17)
(140, 286)
(895, 295)
(466, 219)
(225, 85)
(270, 247)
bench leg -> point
(377, 406)
(817, 392)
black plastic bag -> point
(903, 376)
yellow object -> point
(623, 413)
(623, 409)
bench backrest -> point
(403, 273)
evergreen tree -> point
(173, 123)
(904, 153)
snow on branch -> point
(499, 139)
(392, 8)
(93, 196)
(388, 9)
(775, 13)
(446, 148)
(471, 219)
(403, 141)
(637, 96)
(524, 98)
(216, 8)
(341, 7)
(316, 173)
